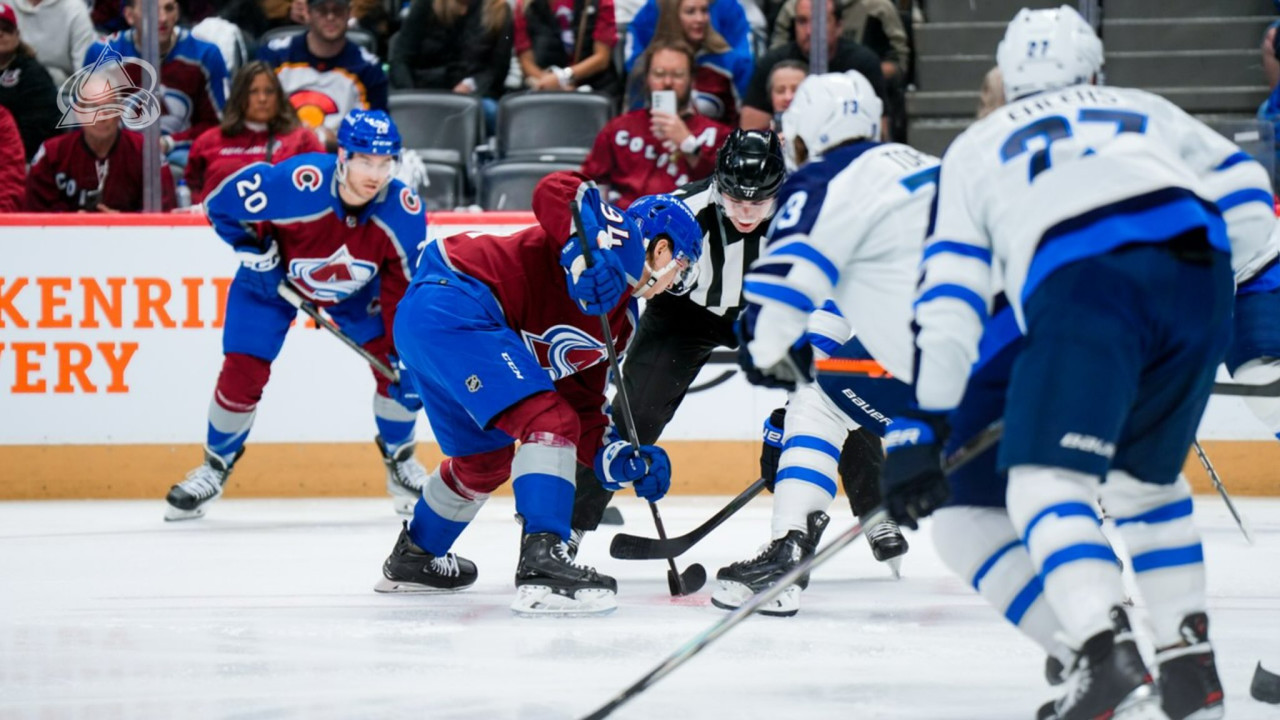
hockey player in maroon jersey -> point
(497, 336)
(345, 233)
(651, 151)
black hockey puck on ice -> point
(1266, 686)
(611, 516)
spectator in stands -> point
(192, 71)
(561, 48)
(324, 75)
(13, 166)
(719, 34)
(459, 45)
(784, 78)
(108, 16)
(94, 168)
(877, 26)
(26, 89)
(842, 54)
(259, 125)
(650, 151)
(59, 31)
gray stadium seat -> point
(550, 126)
(443, 127)
(509, 185)
(444, 188)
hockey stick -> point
(294, 298)
(634, 547)
(979, 443)
(1222, 490)
(695, 576)
(1271, 389)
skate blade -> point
(402, 498)
(733, 595)
(397, 586)
(1141, 704)
(1210, 713)
(542, 601)
(173, 514)
(895, 566)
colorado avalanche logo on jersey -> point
(564, 350)
(178, 109)
(307, 177)
(409, 201)
(333, 278)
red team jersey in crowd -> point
(632, 161)
(66, 176)
(714, 94)
(523, 271)
(13, 165)
(215, 156)
(606, 29)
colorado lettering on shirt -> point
(664, 159)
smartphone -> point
(664, 100)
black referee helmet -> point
(749, 165)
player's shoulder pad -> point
(894, 165)
(404, 215)
(801, 198)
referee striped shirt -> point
(726, 252)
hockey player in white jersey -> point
(850, 228)
(1110, 218)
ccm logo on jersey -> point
(331, 279)
(564, 350)
(1088, 443)
(307, 177)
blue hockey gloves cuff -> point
(598, 288)
(913, 481)
(771, 446)
(648, 470)
(403, 392)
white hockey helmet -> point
(828, 110)
(1046, 50)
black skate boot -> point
(741, 580)
(203, 485)
(888, 545)
(1108, 680)
(548, 583)
(410, 569)
(1189, 685)
(405, 476)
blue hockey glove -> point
(403, 392)
(912, 481)
(596, 286)
(795, 367)
(771, 447)
(617, 467)
(260, 270)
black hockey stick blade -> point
(971, 449)
(1266, 686)
(688, 582)
(634, 547)
(1271, 389)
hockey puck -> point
(611, 516)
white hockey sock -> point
(980, 545)
(793, 502)
(1262, 372)
(1164, 548)
(1053, 511)
(808, 467)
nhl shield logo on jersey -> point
(333, 278)
(564, 350)
(307, 177)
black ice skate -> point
(741, 580)
(1108, 680)
(888, 545)
(203, 485)
(1189, 685)
(405, 476)
(410, 569)
(549, 583)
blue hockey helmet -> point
(371, 132)
(666, 216)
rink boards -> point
(110, 343)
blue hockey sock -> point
(227, 430)
(395, 422)
(544, 487)
(441, 515)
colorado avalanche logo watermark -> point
(307, 177)
(114, 86)
(333, 278)
(564, 350)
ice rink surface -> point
(264, 609)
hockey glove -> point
(260, 270)
(795, 366)
(648, 471)
(913, 482)
(771, 447)
(596, 289)
(403, 392)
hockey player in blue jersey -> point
(346, 235)
(1111, 219)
